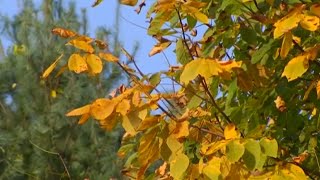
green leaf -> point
(155, 79)
(248, 35)
(269, 147)
(178, 166)
(263, 51)
(251, 156)
(235, 150)
(182, 53)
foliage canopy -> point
(245, 103)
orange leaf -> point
(315, 9)
(310, 23)
(108, 57)
(84, 118)
(79, 111)
(63, 32)
(77, 63)
(94, 63)
(51, 67)
(102, 108)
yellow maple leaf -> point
(288, 22)
(108, 57)
(94, 63)
(296, 67)
(79, 111)
(286, 44)
(102, 108)
(47, 72)
(310, 23)
(83, 43)
(203, 67)
(230, 132)
(315, 9)
(77, 63)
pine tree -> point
(37, 141)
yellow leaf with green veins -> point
(203, 67)
(286, 45)
(94, 63)
(296, 67)
(77, 63)
(178, 166)
(288, 22)
(47, 72)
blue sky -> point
(104, 15)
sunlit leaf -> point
(230, 132)
(128, 126)
(203, 67)
(65, 33)
(108, 57)
(269, 147)
(318, 89)
(315, 9)
(212, 170)
(82, 43)
(296, 67)
(178, 166)
(77, 63)
(84, 118)
(251, 156)
(79, 111)
(310, 23)
(286, 44)
(102, 108)
(94, 63)
(234, 150)
(129, 2)
(47, 72)
(123, 107)
(288, 22)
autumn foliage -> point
(245, 103)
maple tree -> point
(245, 104)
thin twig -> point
(207, 131)
(54, 153)
(202, 80)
